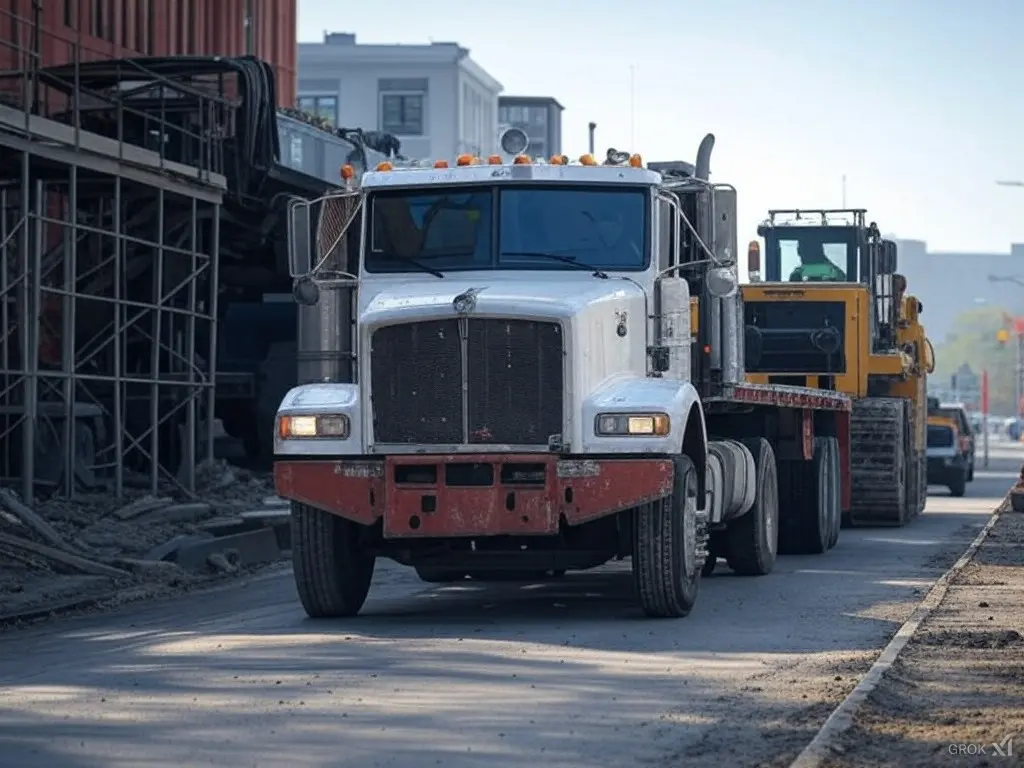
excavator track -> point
(882, 455)
(917, 468)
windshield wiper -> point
(570, 260)
(415, 262)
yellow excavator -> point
(831, 311)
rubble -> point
(64, 552)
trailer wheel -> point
(669, 536)
(807, 529)
(836, 492)
(439, 575)
(753, 539)
(332, 573)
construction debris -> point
(65, 549)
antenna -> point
(632, 107)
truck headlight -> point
(638, 424)
(311, 427)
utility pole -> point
(632, 107)
(1018, 332)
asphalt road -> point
(564, 674)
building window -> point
(151, 22)
(69, 13)
(401, 114)
(516, 116)
(325, 107)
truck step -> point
(878, 462)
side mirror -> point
(305, 291)
(300, 238)
(722, 283)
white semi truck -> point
(530, 393)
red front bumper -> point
(431, 496)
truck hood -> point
(543, 296)
(605, 320)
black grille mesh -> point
(514, 382)
(416, 375)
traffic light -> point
(1002, 336)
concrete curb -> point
(820, 747)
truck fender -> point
(695, 443)
(738, 491)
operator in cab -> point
(815, 266)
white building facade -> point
(434, 98)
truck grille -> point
(795, 337)
(513, 382)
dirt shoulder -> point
(958, 687)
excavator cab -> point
(832, 313)
(837, 246)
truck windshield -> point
(539, 227)
(801, 254)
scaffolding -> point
(109, 285)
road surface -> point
(564, 675)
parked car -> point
(948, 462)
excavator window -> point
(811, 254)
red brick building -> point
(101, 29)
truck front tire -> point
(752, 540)
(332, 573)
(668, 537)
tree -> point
(975, 342)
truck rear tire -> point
(332, 573)
(669, 535)
(752, 540)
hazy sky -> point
(918, 102)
